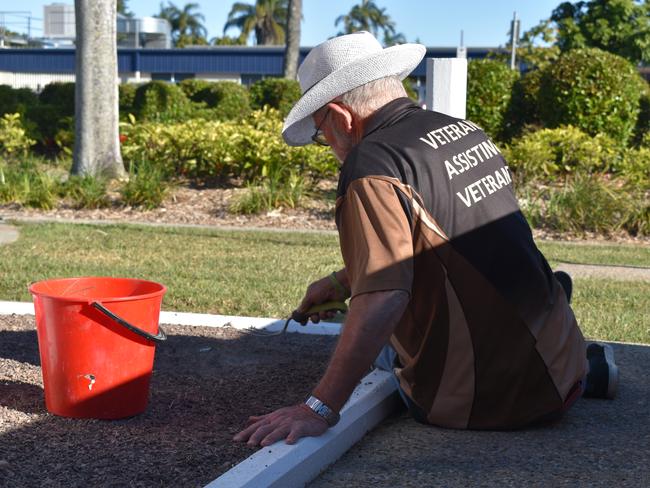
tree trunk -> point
(97, 145)
(293, 39)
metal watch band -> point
(317, 406)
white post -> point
(446, 90)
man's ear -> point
(342, 117)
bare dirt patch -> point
(206, 383)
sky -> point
(485, 23)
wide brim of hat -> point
(397, 60)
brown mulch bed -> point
(206, 382)
(209, 206)
(196, 206)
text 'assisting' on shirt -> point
(468, 159)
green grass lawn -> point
(265, 273)
(604, 254)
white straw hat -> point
(339, 65)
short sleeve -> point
(375, 237)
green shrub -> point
(593, 90)
(642, 129)
(273, 191)
(549, 153)
(411, 92)
(59, 95)
(85, 192)
(587, 203)
(634, 167)
(16, 100)
(196, 148)
(278, 93)
(147, 186)
(24, 184)
(489, 90)
(161, 101)
(228, 100)
(523, 110)
(14, 141)
(126, 96)
(191, 86)
(212, 149)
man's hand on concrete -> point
(290, 423)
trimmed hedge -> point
(594, 90)
(126, 95)
(16, 100)
(489, 91)
(161, 101)
(191, 86)
(60, 96)
(524, 106)
(278, 93)
(228, 100)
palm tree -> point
(367, 16)
(267, 18)
(187, 26)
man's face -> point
(336, 123)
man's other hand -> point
(290, 423)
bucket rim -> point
(78, 298)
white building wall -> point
(35, 81)
(219, 77)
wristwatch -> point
(330, 416)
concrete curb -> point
(206, 320)
(288, 466)
(282, 465)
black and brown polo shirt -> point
(425, 204)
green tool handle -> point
(321, 307)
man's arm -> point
(370, 322)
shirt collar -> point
(389, 114)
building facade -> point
(35, 68)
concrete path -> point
(8, 233)
(624, 273)
(599, 443)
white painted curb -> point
(206, 320)
(287, 466)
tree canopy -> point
(368, 16)
(267, 18)
(187, 23)
(619, 26)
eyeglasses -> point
(319, 137)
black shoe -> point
(602, 380)
(566, 282)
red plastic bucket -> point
(96, 338)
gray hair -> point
(365, 99)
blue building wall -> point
(246, 61)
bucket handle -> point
(156, 338)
